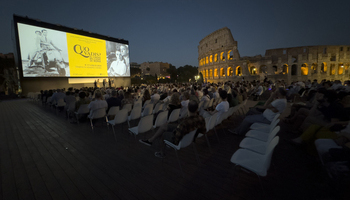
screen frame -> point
(25, 20)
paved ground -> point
(43, 156)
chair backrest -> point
(200, 105)
(135, 113)
(145, 124)
(183, 112)
(276, 117)
(272, 134)
(212, 121)
(98, 113)
(161, 119)
(138, 103)
(71, 107)
(60, 102)
(268, 155)
(187, 139)
(174, 115)
(121, 117)
(211, 102)
(83, 109)
(157, 107)
(148, 109)
(274, 124)
(128, 107)
(221, 118)
(147, 102)
(113, 110)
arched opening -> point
(304, 69)
(215, 57)
(252, 70)
(294, 70)
(324, 68)
(314, 68)
(332, 69)
(346, 67)
(340, 68)
(285, 69)
(206, 73)
(216, 73)
(229, 71)
(238, 71)
(230, 55)
(222, 72)
(211, 73)
(222, 56)
(211, 58)
(263, 69)
(207, 60)
(275, 70)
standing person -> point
(95, 84)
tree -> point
(172, 71)
(148, 69)
(186, 73)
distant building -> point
(153, 68)
(219, 61)
(135, 65)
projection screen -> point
(46, 52)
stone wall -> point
(219, 61)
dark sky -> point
(170, 31)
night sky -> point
(170, 31)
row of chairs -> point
(256, 149)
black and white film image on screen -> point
(44, 51)
(118, 63)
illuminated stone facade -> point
(219, 61)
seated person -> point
(175, 132)
(98, 103)
(82, 100)
(114, 100)
(271, 110)
(221, 108)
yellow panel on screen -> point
(87, 56)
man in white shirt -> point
(272, 109)
(221, 108)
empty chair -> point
(97, 114)
(121, 118)
(161, 119)
(209, 125)
(135, 114)
(174, 115)
(145, 124)
(260, 135)
(147, 110)
(255, 162)
(264, 127)
(256, 145)
(112, 111)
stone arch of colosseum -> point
(220, 61)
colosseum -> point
(219, 61)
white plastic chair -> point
(323, 146)
(128, 107)
(135, 114)
(83, 110)
(138, 103)
(70, 109)
(255, 162)
(158, 107)
(183, 112)
(147, 102)
(184, 142)
(147, 110)
(262, 135)
(264, 127)
(97, 114)
(145, 124)
(209, 125)
(256, 145)
(161, 119)
(174, 115)
(121, 118)
(60, 104)
(112, 111)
